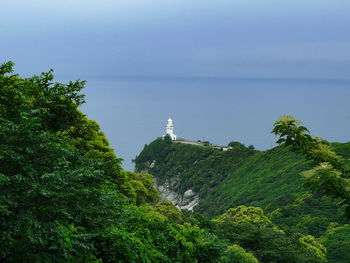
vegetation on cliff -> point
(268, 179)
(65, 198)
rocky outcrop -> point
(188, 200)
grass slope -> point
(243, 176)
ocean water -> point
(133, 111)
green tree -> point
(63, 194)
(53, 197)
(237, 254)
(337, 241)
(251, 229)
(331, 174)
(243, 214)
(140, 188)
(269, 245)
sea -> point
(133, 111)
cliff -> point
(210, 181)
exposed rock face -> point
(186, 201)
(189, 193)
(152, 164)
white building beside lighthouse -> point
(170, 129)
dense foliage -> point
(331, 174)
(225, 179)
(64, 196)
(269, 179)
(251, 229)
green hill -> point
(64, 196)
(243, 176)
(223, 179)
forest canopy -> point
(64, 196)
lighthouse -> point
(170, 129)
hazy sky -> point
(223, 70)
(250, 38)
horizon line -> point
(145, 77)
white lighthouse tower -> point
(170, 129)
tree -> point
(237, 254)
(54, 197)
(269, 245)
(63, 194)
(243, 214)
(337, 240)
(331, 174)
